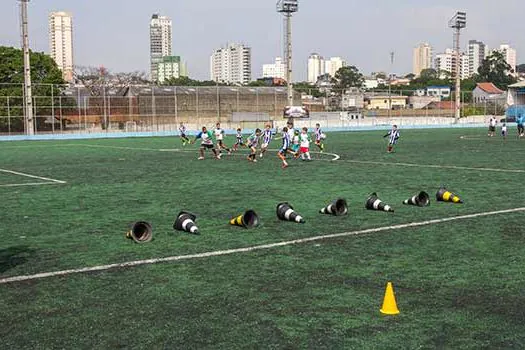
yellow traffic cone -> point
(389, 302)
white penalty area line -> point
(252, 248)
(49, 180)
(434, 166)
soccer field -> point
(457, 270)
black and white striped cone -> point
(186, 222)
(337, 208)
(421, 200)
(285, 212)
(141, 232)
(374, 203)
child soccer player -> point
(393, 137)
(253, 142)
(239, 140)
(219, 136)
(291, 130)
(305, 144)
(318, 133)
(206, 143)
(285, 149)
(296, 141)
(504, 130)
(267, 138)
(182, 132)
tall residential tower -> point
(422, 58)
(160, 36)
(61, 42)
(231, 64)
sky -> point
(115, 33)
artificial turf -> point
(458, 284)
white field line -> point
(252, 248)
(433, 166)
(32, 176)
(31, 184)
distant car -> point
(296, 112)
(511, 119)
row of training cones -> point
(142, 232)
(422, 199)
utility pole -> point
(458, 22)
(287, 8)
(390, 84)
(28, 98)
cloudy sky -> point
(115, 33)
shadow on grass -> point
(14, 256)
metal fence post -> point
(8, 117)
(52, 110)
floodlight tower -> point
(28, 99)
(458, 22)
(287, 8)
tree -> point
(98, 79)
(347, 77)
(46, 79)
(410, 76)
(307, 88)
(496, 70)
(429, 74)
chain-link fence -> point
(67, 109)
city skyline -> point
(121, 44)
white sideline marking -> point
(50, 181)
(250, 249)
(434, 166)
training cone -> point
(374, 203)
(389, 302)
(285, 212)
(338, 207)
(186, 222)
(141, 232)
(247, 220)
(421, 200)
(443, 195)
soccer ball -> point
(323, 136)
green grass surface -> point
(458, 284)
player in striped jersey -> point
(285, 149)
(267, 138)
(253, 142)
(393, 136)
(318, 137)
(182, 132)
(219, 137)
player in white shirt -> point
(492, 126)
(504, 130)
(305, 144)
(267, 138)
(291, 130)
(219, 137)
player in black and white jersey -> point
(219, 137)
(239, 140)
(393, 135)
(182, 133)
(253, 142)
(319, 137)
(285, 149)
(267, 136)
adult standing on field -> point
(492, 126)
(520, 119)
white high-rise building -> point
(316, 67)
(510, 55)
(160, 36)
(61, 42)
(231, 64)
(275, 70)
(445, 65)
(171, 67)
(332, 65)
(477, 52)
(422, 58)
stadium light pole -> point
(458, 22)
(288, 8)
(28, 98)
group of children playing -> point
(520, 120)
(294, 142)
